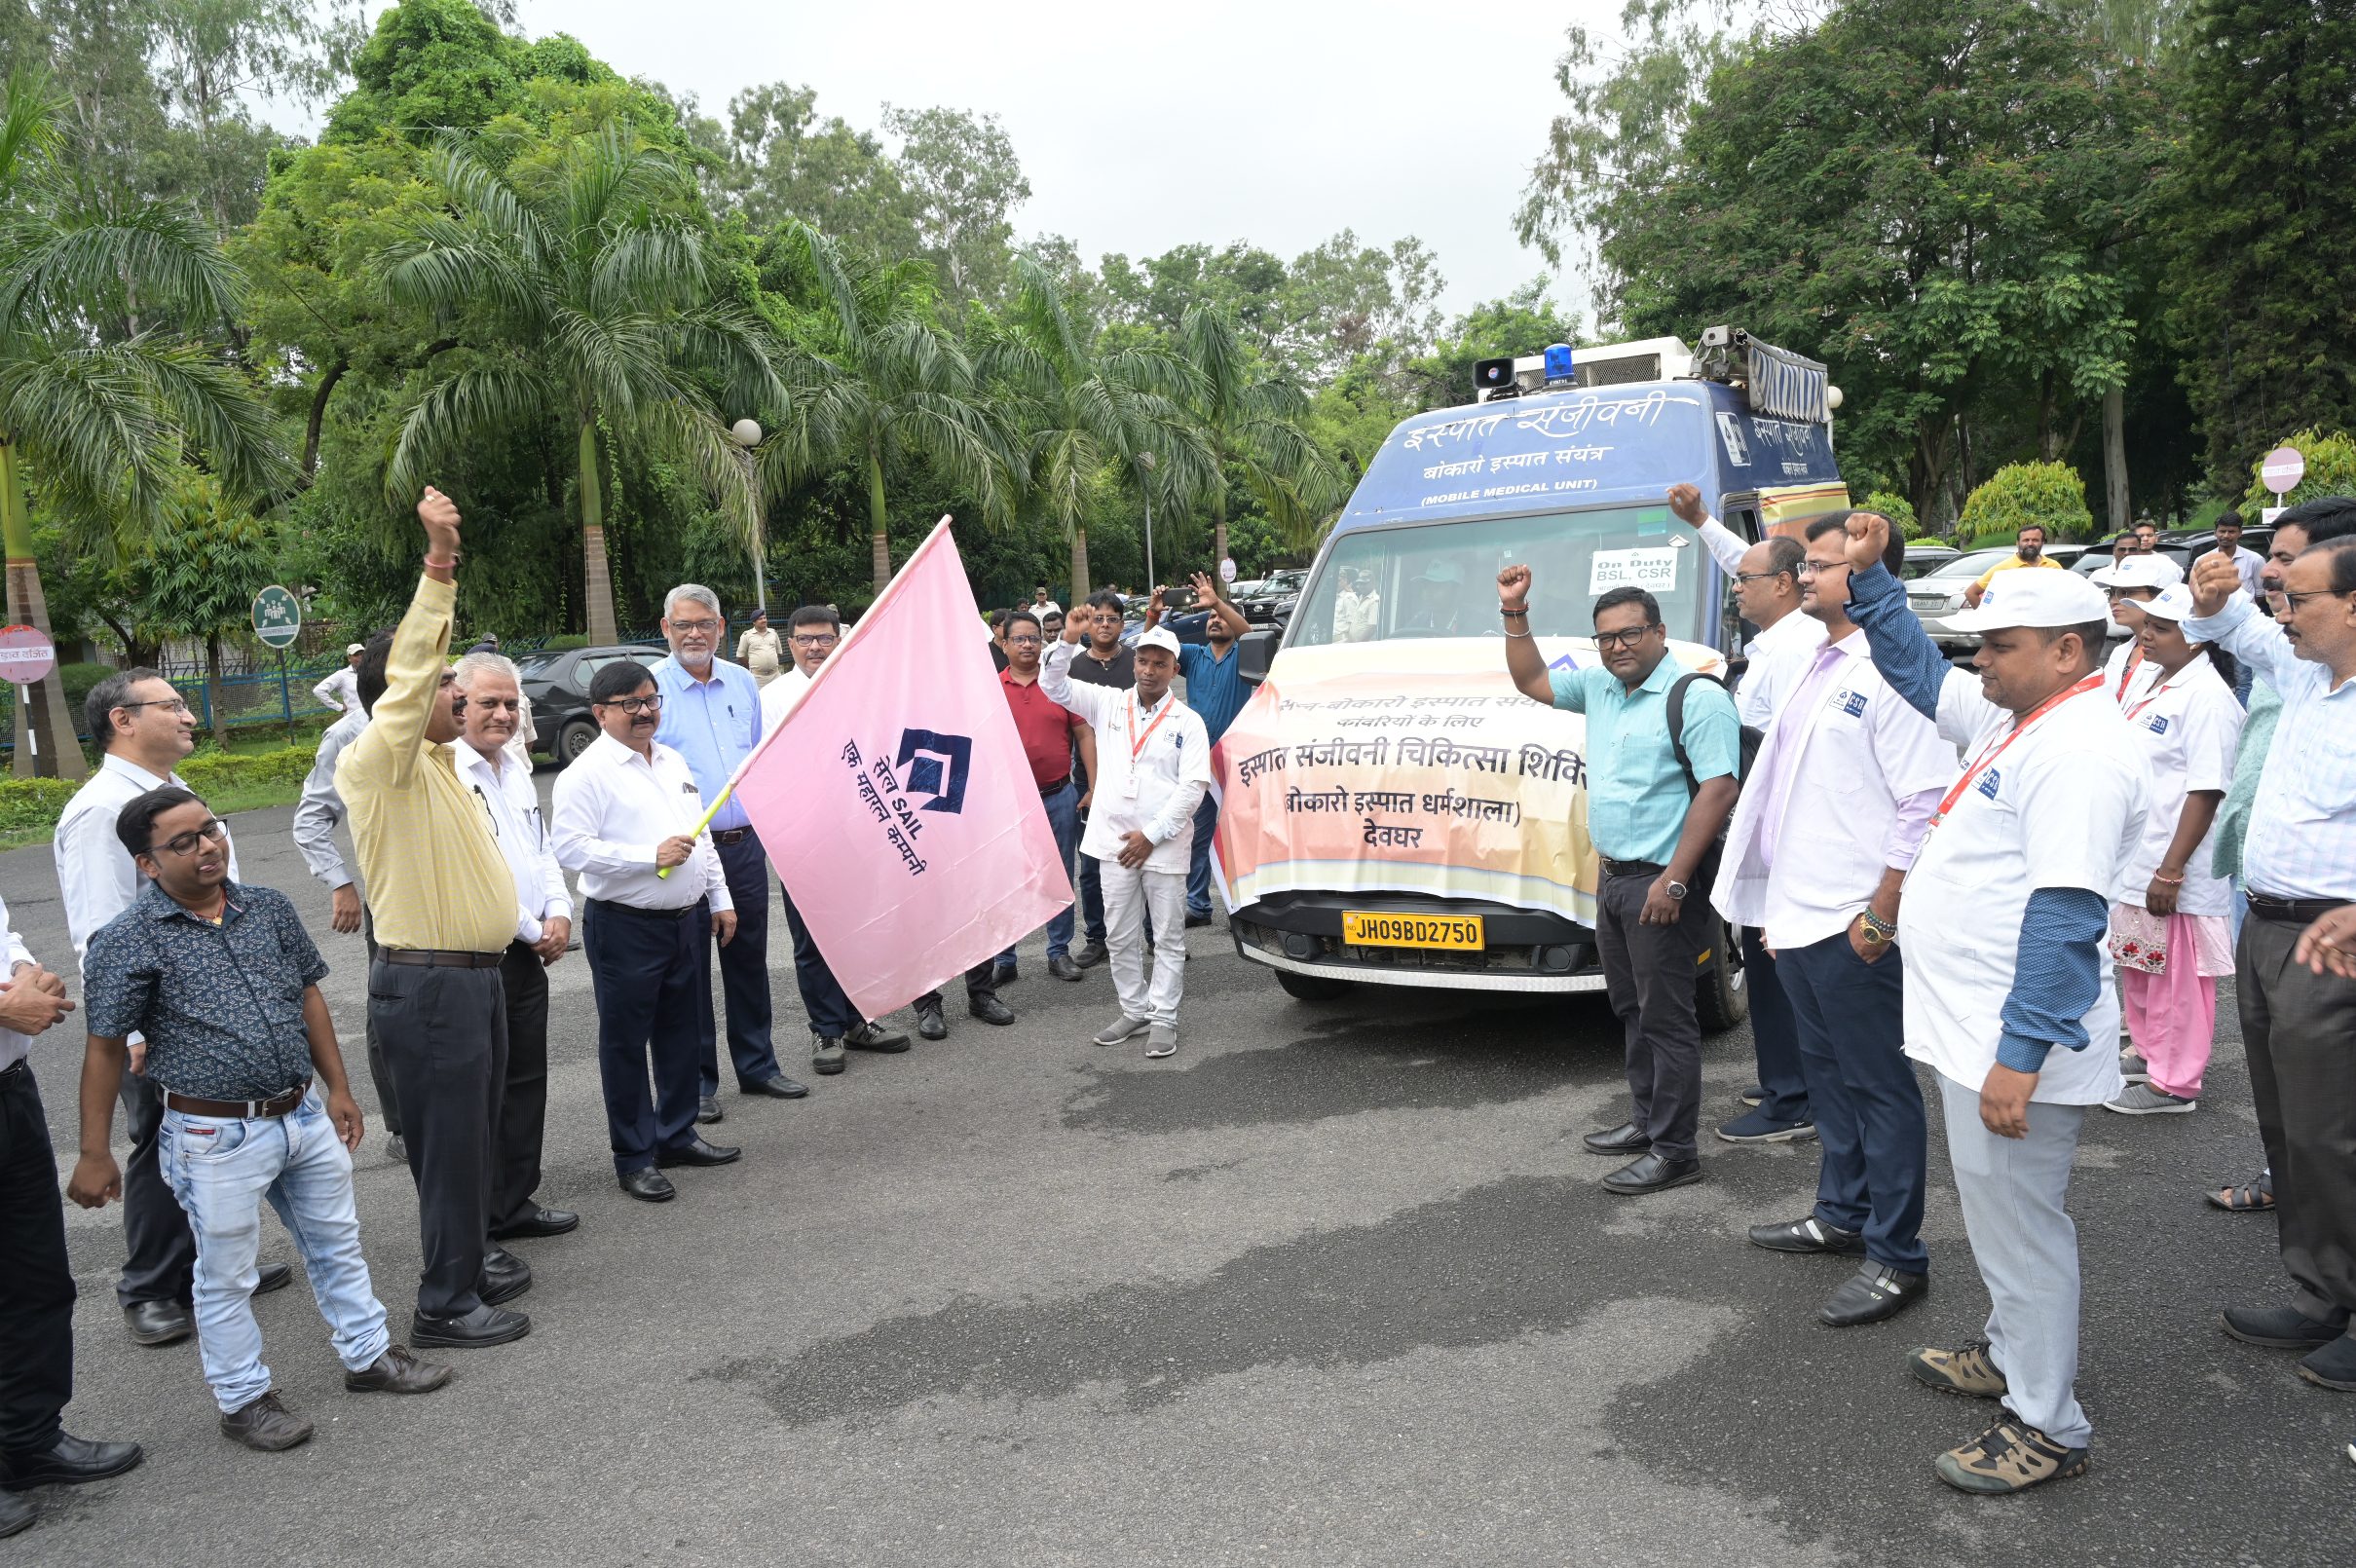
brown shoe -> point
(1969, 1370)
(2010, 1456)
(397, 1371)
(267, 1425)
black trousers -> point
(831, 1012)
(977, 984)
(1650, 972)
(37, 1299)
(647, 968)
(744, 972)
(159, 1250)
(445, 1034)
(388, 1104)
(2298, 1026)
(523, 1104)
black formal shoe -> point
(697, 1152)
(159, 1323)
(2279, 1327)
(875, 1038)
(1652, 1171)
(1626, 1139)
(67, 1461)
(486, 1324)
(707, 1110)
(505, 1277)
(1089, 956)
(1872, 1293)
(272, 1277)
(396, 1371)
(1808, 1235)
(15, 1514)
(1004, 973)
(267, 1425)
(1062, 967)
(397, 1149)
(930, 1024)
(990, 1010)
(1194, 920)
(780, 1087)
(537, 1222)
(648, 1185)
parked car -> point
(1922, 556)
(556, 683)
(1260, 606)
(1938, 594)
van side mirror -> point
(1254, 653)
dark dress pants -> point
(388, 1104)
(832, 1015)
(523, 1104)
(37, 1302)
(1774, 1040)
(160, 1250)
(1649, 973)
(977, 984)
(647, 968)
(1870, 1121)
(744, 971)
(445, 1034)
(2297, 1027)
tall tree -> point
(968, 181)
(577, 291)
(203, 564)
(1252, 421)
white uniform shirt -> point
(1864, 749)
(1780, 655)
(1153, 764)
(614, 807)
(2127, 675)
(2252, 565)
(95, 874)
(512, 803)
(2062, 805)
(13, 1047)
(340, 690)
(2189, 726)
(779, 695)
(320, 808)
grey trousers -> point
(2015, 1194)
(1649, 973)
(2298, 1028)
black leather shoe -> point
(1089, 956)
(697, 1152)
(1004, 973)
(1807, 1234)
(1060, 967)
(1872, 1293)
(875, 1038)
(272, 1277)
(537, 1222)
(1194, 920)
(990, 1010)
(67, 1461)
(159, 1323)
(707, 1110)
(397, 1150)
(486, 1324)
(648, 1185)
(2278, 1328)
(930, 1024)
(1652, 1171)
(396, 1371)
(267, 1425)
(505, 1277)
(15, 1514)
(780, 1087)
(1626, 1139)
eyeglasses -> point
(185, 843)
(694, 628)
(1810, 569)
(1756, 576)
(635, 705)
(176, 704)
(1021, 641)
(819, 640)
(2295, 600)
(1624, 639)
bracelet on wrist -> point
(1510, 612)
(2163, 876)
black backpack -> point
(1746, 754)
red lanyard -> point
(1996, 748)
(1136, 742)
(2126, 677)
(2157, 691)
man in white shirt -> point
(1815, 856)
(146, 728)
(626, 812)
(1153, 758)
(490, 699)
(2247, 562)
(342, 690)
(1042, 606)
(2005, 926)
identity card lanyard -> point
(2126, 677)
(1996, 748)
(1136, 742)
(2157, 691)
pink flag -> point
(896, 801)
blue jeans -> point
(1063, 816)
(220, 1168)
(1198, 860)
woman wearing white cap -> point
(2168, 926)
(2130, 586)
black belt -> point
(439, 958)
(1630, 868)
(21, 1065)
(731, 834)
(2293, 910)
(1045, 790)
(609, 906)
(277, 1105)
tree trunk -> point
(1079, 567)
(2114, 458)
(55, 753)
(1219, 525)
(318, 416)
(596, 578)
(212, 689)
(878, 522)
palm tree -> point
(104, 389)
(575, 293)
(1088, 411)
(1251, 421)
(875, 375)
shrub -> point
(212, 771)
(1897, 508)
(27, 804)
(2331, 472)
(2050, 495)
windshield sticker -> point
(1655, 570)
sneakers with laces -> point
(1121, 1029)
(826, 1054)
(2141, 1099)
(1970, 1371)
(2010, 1456)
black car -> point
(556, 683)
(1259, 603)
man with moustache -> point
(2028, 549)
(1050, 731)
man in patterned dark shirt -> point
(223, 980)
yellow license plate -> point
(1366, 928)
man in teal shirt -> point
(1651, 825)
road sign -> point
(1226, 569)
(25, 655)
(2282, 470)
(277, 617)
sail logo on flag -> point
(936, 765)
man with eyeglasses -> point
(146, 728)
(1050, 733)
(711, 717)
(224, 981)
(626, 812)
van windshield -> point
(1439, 579)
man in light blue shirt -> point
(711, 715)
(1652, 817)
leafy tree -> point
(2331, 471)
(1252, 422)
(968, 181)
(775, 159)
(204, 563)
(2050, 495)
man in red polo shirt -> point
(1048, 732)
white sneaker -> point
(2141, 1099)
(1121, 1029)
(1161, 1041)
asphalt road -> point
(1335, 1285)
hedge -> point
(27, 805)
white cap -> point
(2041, 599)
(2139, 572)
(2175, 603)
(350, 648)
(1158, 637)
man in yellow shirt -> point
(2028, 549)
(443, 902)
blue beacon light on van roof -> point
(1558, 365)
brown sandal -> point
(2251, 1198)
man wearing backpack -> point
(1654, 819)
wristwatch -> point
(1676, 889)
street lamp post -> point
(746, 433)
(1145, 461)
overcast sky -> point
(1279, 121)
